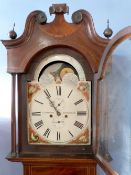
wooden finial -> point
(59, 9)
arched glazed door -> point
(114, 106)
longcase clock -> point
(53, 67)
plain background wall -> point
(119, 13)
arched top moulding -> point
(38, 35)
(112, 45)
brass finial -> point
(108, 31)
(12, 33)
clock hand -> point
(52, 104)
(58, 113)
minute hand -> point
(52, 104)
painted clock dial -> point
(59, 106)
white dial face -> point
(60, 114)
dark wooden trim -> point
(27, 169)
(95, 112)
(13, 115)
(20, 109)
(53, 160)
(106, 167)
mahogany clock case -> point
(23, 79)
(78, 40)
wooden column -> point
(13, 115)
